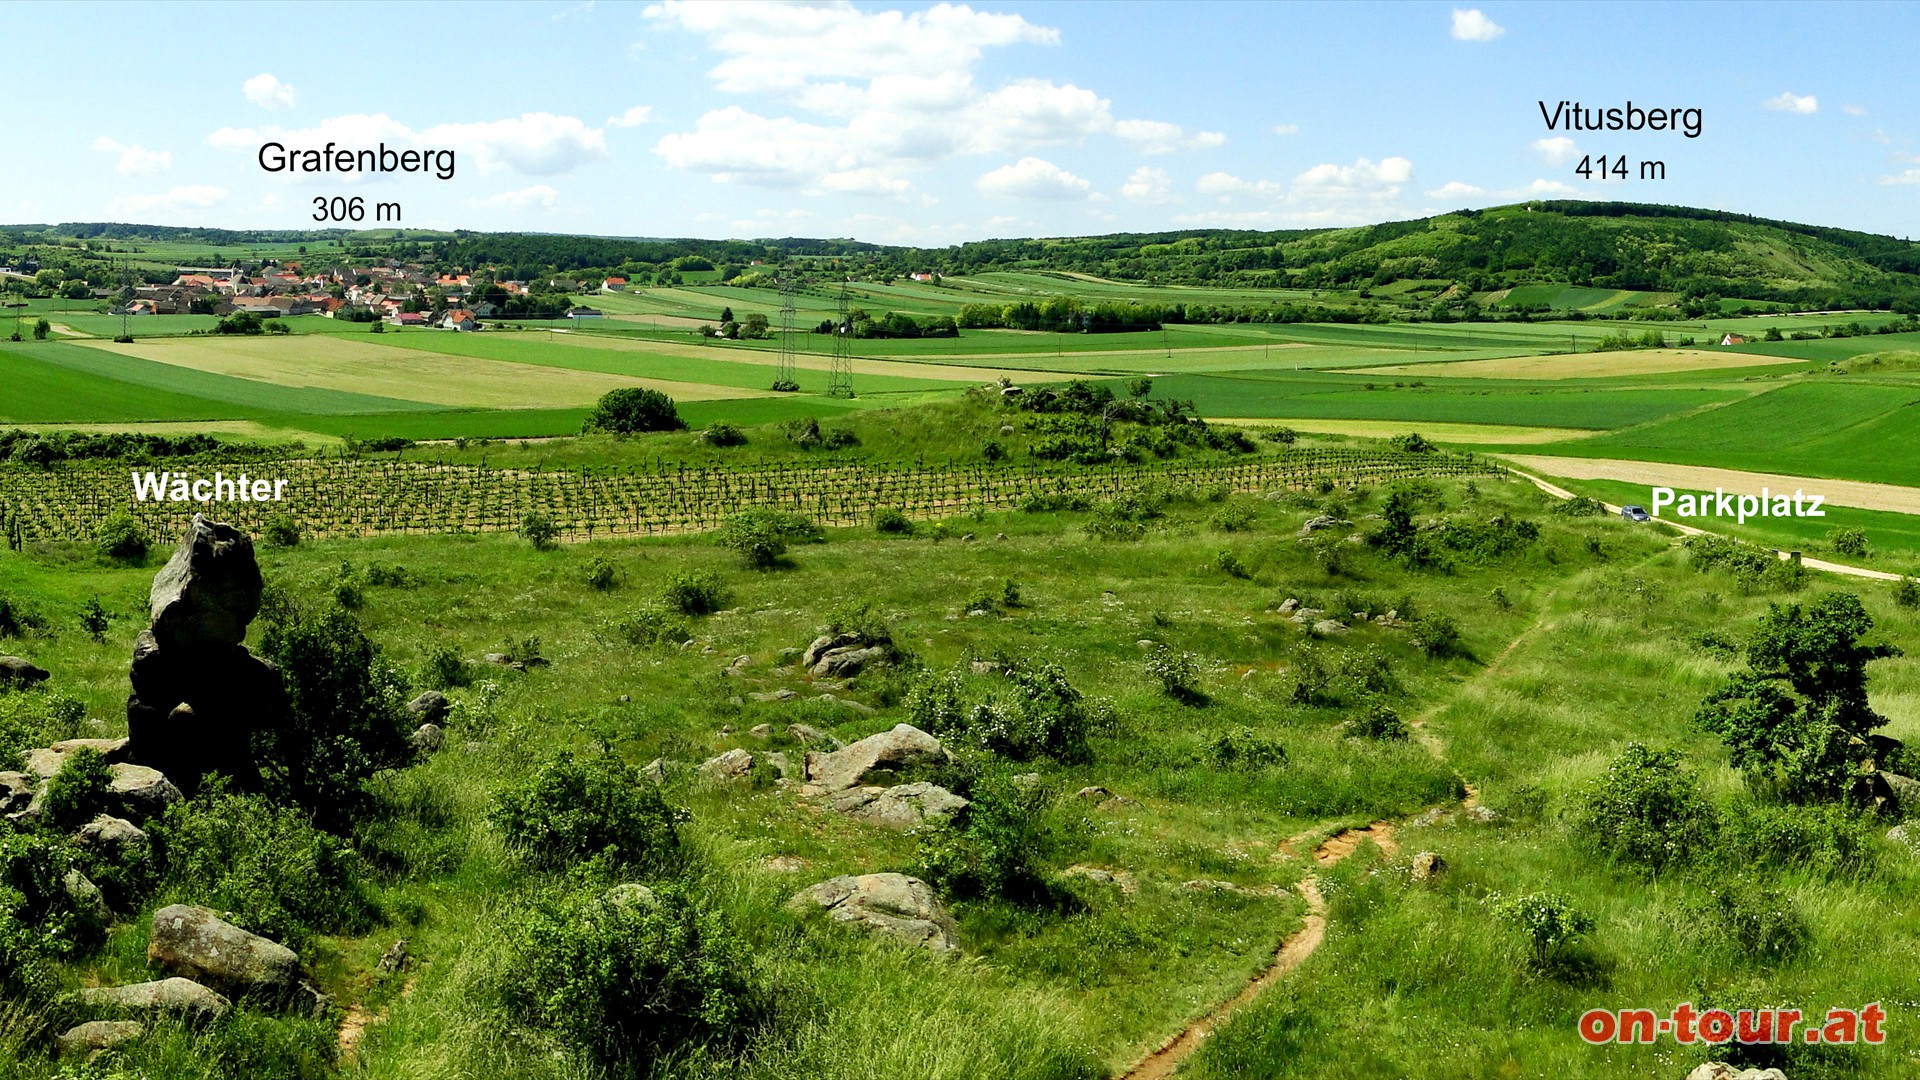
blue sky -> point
(934, 124)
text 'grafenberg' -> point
(278, 158)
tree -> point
(41, 329)
(1799, 717)
(754, 327)
(726, 314)
(633, 409)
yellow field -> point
(1513, 435)
(329, 362)
(1589, 365)
(813, 361)
(246, 428)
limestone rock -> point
(179, 997)
(859, 707)
(97, 1035)
(431, 707)
(904, 747)
(209, 591)
(785, 864)
(85, 895)
(396, 958)
(427, 738)
(195, 942)
(140, 791)
(1482, 814)
(15, 671)
(902, 806)
(1720, 1070)
(1120, 879)
(894, 904)
(655, 772)
(761, 731)
(824, 644)
(782, 694)
(1323, 521)
(1329, 628)
(16, 791)
(732, 765)
(1429, 866)
(808, 735)
(844, 662)
(114, 750)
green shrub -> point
(723, 435)
(347, 719)
(1233, 517)
(1580, 506)
(1827, 839)
(630, 982)
(892, 521)
(280, 531)
(1753, 919)
(695, 592)
(998, 849)
(570, 810)
(445, 669)
(120, 538)
(634, 409)
(1548, 923)
(1229, 564)
(1245, 749)
(79, 790)
(1178, 673)
(93, 619)
(761, 536)
(1411, 443)
(649, 626)
(1378, 720)
(389, 576)
(1438, 636)
(538, 529)
(603, 574)
(1648, 810)
(266, 864)
(16, 619)
(1285, 436)
(38, 920)
(1906, 593)
(1851, 542)
(1026, 712)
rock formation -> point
(198, 694)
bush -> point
(571, 810)
(1828, 839)
(630, 982)
(1029, 712)
(1243, 749)
(1753, 919)
(1178, 673)
(1580, 506)
(389, 576)
(603, 574)
(79, 790)
(649, 626)
(634, 409)
(1548, 923)
(268, 865)
(280, 531)
(1647, 810)
(891, 521)
(761, 536)
(93, 619)
(120, 538)
(1411, 443)
(1285, 436)
(723, 435)
(538, 529)
(347, 719)
(1378, 720)
(1229, 564)
(445, 669)
(1438, 636)
(695, 592)
(1906, 593)
(999, 848)
(38, 920)
(1848, 542)
(1233, 517)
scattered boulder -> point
(1289, 606)
(85, 895)
(1323, 521)
(808, 735)
(733, 765)
(902, 806)
(785, 864)
(893, 904)
(16, 791)
(1329, 628)
(42, 762)
(1905, 793)
(859, 707)
(761, 731)
(782, 764)
(655, 772)
(1907, 836)
(739, 666)
(195, 942)
(782, 694)
(1720, 1070)
(15, 671)
(903, 747)
(499, 658)
(825, 644)
(1482, 814)
(97, 1035)
(1120, 879)
(848, 661)
(114, 750)
(1429, 866)
(396, 958)
(431, 707)
(1093, 791)
(141, 792)
(176, 997)
(198, 694)
(427, 739)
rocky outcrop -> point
(1720, 1070)
(889, 752)
(427, 739)
(902, 806)
(197, 943)
(732, 765)
(87, 1039)
(15, 671)
(16, 791)
(116, 838)
(198, 694)
(431, 707)
(140, 792)
(892, 904)
(1429, 866)
(177, 997)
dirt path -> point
(1856, 493)
(1559, 492)
(1293, 952)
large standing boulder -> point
(198, 694)
(17, 672)
(197, 943)
(893, 904)
(183, 998)
(97, 1035)
(847, 662)
(904, 747)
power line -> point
(783, 373)
(840, 383)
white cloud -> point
(1160, 137)
(1286, 129)
(1544, 187)
(1853, 110)
(1033, 178)
(1454, 189)
(864, 181)
(1148, 185)
(268, 92)
(1226, 186)
(135, 160)
(1361, 174)
(633, 117)
(1558, 150)
(178, 201)
(540, 195)
(1471, 24)
(733, 144)
(1327, 194)
(1788, 101)
(536, 144)
(583, 7)
(1910, 176)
